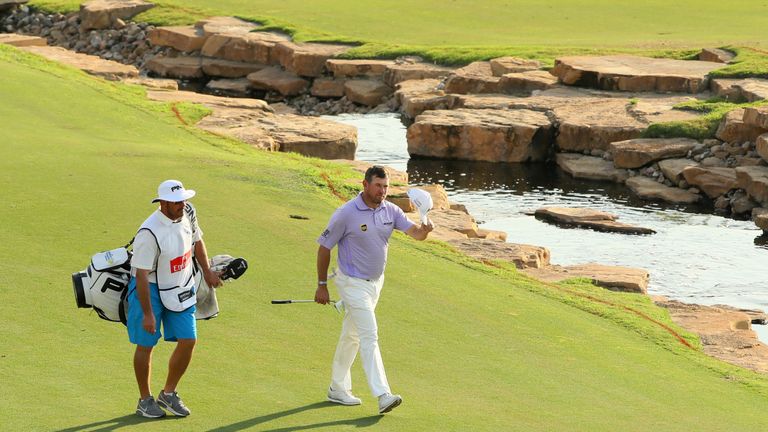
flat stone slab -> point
(521, 255)
(734, 129)
(176, 67)
(590, 167)
(594, 124)
(673, 168)
(154, 83)
(588, 218)
(89, 64)
(614, 278)
(229, 68)
(740, 90)
(254, 47)
(215, 103)
(234, 87)
(101, 14)
(757, 116)
(417, 96)
(526, 82)
(456, 221)
(650, 189)
(307, 59)
(485, 135)
(712, 181)
(341, 68)
(632, 73)
(227, 25)
(754, 180)
(413, 71)
(180, 38)
(276, 79)
(19, 40)
(476, 77)
(366, 92)
(726, 333)
(504, 65)
(10, 4)
(327, 87)
(639, 152)
(716, 55)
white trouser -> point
(359, 331)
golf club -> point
(337, 304)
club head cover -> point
(234, 269)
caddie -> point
(162, 291)
(361, 228)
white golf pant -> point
(359, 331)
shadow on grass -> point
(245, 424)
(115, 423)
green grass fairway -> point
(470, 347)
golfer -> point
(361, 228)
(162, 290)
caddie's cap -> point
(173, 191)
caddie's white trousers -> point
(359, 331)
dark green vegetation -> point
(470, 346)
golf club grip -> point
(281, 301)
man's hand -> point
(212, 278)
(148, 323)
(321, 295)
(427, 227)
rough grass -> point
(470, 346)
(702, 127)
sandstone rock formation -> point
(92, 65)
(176, 67)
(413, 71)
(754, 180)
(650, 189)
(588, 218)
(590, 167)
(306, 59)
(276, 79)
(100, 14)
(521, 255)
(712, 181)
(180, 38)
(733, 128)
(255, 47)
(341, 68)
(18, 40)
(504, 65)
(366, 92)
(615, 278)
(227, 25)
(740, 90)
(636, 153)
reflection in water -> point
(696, 257)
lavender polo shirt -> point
(362, 234)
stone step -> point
(413, 71)
(734, 129)
(632, 73)
(636, 153)
(180, 38)
(276, 79)
(716, 55)
(754, 180)
(417, 96)
(254, 47)
(226, 25)
(19, 40)
(307, 59)
(526, 82)
(756, 116)
(176, 67)
(712, 181)
(649, 189)
(594, 123)
(215, 103)
(327, 87)
(614, 278)
(589, 167)
(89, 64)
(101, 14)
(229, 68)
(504, 65)
(521, 255)
(476, 77)
(341, 68)
(588, 218)
(484, 135)
(154, 83)
(366, 92)
(232, 87)
(673, 168)
(740, 90)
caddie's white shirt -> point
(145, 251)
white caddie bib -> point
(174, 273)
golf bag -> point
(103, 286)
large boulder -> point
(650, 189)
(588, 218)
(632, 73)
(19, 40)
(592, 124)
(754, 180)
(176, 67)
(484, 135)
(733, 128)
(757, 116)
(526, 82)
(276, 79)
(413, 71)
(504, 65)
(614, 278)
(590, 167)
(521, 255)
(417, 96)
(456, 221)
(636, 153)
(366, 92)
(228, 25)
(716, 55)
(712, 181)
(307, 59)
(180, 38)
(254, 47)
(673, 168)
(740, 90)
(473, 78)
(92, 65)
(101, 14)
(341, 68)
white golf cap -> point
(173, 191)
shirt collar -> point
(362, 206)
(165, 220)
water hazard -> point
(695, 257)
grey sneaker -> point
(388, 402)
(173, 403)
(343, 397)
(148, 408)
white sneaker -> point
(388, 402)
(343, 397)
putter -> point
(338, 305)
(423, 202)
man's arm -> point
(201, 254)
(142, 290)
(420, 232)
(323, 260)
